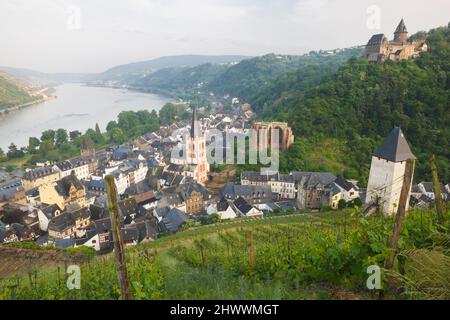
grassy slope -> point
(12, 93)
(321, 256)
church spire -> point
(401, 27)
(195, 126)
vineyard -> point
(292, 257)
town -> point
(65, 204)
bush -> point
(83, 250)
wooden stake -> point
(251, 252)
(407, 179)
(437, 190)
(119, 251)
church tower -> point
(401, 33)
(196, 150)
(387, 172)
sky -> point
(90, 36)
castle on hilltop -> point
(379, 48)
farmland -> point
(302, 256)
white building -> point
(387, 172)
(80, 167)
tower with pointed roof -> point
(195, 159)
(401, 33)
(387, 172)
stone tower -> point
(401, 33)
(196, 150)
(387, 172)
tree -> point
(33, 144)
(13, 152)
(61, 137)
(45, 148)
(2, 154)
(48, 135)
(111, 125)
(97, 129)
(94, 136)
(74, 135)
(117, 136)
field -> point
(302, 256)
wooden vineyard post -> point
(407, 179)
(119, 251)
(251, 252)
(437, 190)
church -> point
(379, 49)
(194, 156)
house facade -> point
(39, 176)
(67, 191)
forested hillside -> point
(12, 92)
(362, 102)
(244, 79)
(247, 80)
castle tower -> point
(387, 172)
(196, 150)
(401, 33)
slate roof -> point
(242, 205)
(313, 179)
(63, 186)
(231, 190)
(401, 27)
(344, 184)
(376, 39)
(395, 148)
(173, 220)
(38, 172)
(50, 211)
(67, 219)
(128, 207)
(222, 205)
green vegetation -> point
(360, 104)
(12, 93)
(324, 256)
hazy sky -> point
(93, 35)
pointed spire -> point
(395, 148)
(195, 126)
(401, 27)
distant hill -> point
(130, 72)
(44, 79)
(247, 79)
(13, 92)
(244, 79)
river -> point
(77, 107)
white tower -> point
(387, 172)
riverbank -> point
(28, 104)
(77, 107)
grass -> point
(301, 256)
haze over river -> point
(77, 107)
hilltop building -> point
(379, 48)
(387, 172)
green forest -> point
(360, 104)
